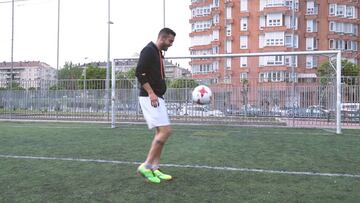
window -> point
(215, 49)
(216, 19)
(355, 30)
(275, 60)
(243, 62)
(310, 43)
(228, 12)
(228, 46)
(274, 19)
(289, 3)
(201, 25)
(288, 60)
(216, 3)
(350, 11)
(261, 41)
(292, 23)
(354, 45)
(228, 30)
(332, 44)
(310, 8)
(274, 38)
(244, 24)
(332, 26)
(228, 63)
(262, 22)
(332, 9)
(311, 62)
(340, 10)
(215, 35)
(289, 42)
(243, 42)
(243, 5)
(243, 76)
(310, 25)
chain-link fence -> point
(252, 102)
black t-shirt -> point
(150, 69)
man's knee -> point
(162, 134)
(165, 130)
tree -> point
(15, 86)
(70, 71)
(326, 72)
(244, 92)
(183, 83)
(130, 74)
(126, 79)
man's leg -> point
(153, 158)
(161, 136)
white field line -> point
(188, 166)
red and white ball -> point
(201, 95)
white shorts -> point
(154, 116)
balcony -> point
(281, 9)
(202, 32)
(201, 61)
(200, 18)
(215, 43)
(274, 28)
(200, 47)
(274, 48)
(200, 4)
(230, 21)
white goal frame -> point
(336, 53)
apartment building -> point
(172, 70)
(249, 26)
(26, 73)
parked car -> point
(197, 110)
(317, 111)
(233, 110)
(296, 113)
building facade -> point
(249, 26)
(26, 73)
(172, 71)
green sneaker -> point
(148, 174)
(162, 175)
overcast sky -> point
(83, 29)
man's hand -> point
(154, 100)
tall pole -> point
(164, 10)
(338, 92)
(57, 60)
(12, 54)
(58, 40)
(293, 21)
(108, 65)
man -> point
(151, 75)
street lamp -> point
(164, 13)
(107, 82)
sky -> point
(83, 29)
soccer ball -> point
(201, 95)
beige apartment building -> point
(249, 26)
(27, 73)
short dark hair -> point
(165, 32)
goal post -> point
(329, 53)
